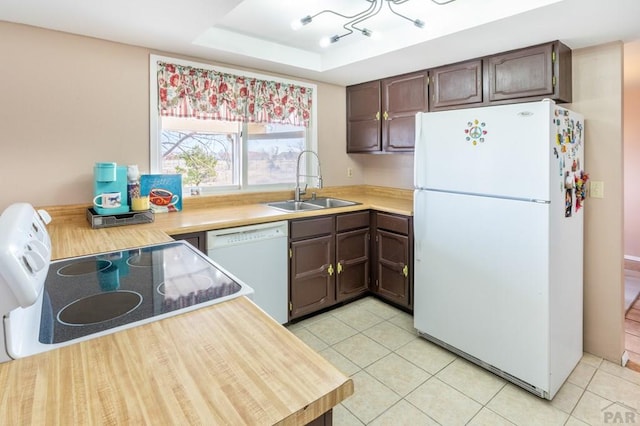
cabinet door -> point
(392, 274)
(312, 275)
(456, 85)
(363, 117)
(402, 98)
(196, 239)
(352, 263)
(522, 73)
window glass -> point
(272, 150)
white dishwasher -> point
(257, 255)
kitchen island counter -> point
(229, 363)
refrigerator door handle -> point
(419, 198)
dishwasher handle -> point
(246, 234)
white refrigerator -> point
(498, 225)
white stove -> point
(47, 304)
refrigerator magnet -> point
(568, 202)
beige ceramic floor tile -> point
(339, 361)
(404, 321)
(361, 350)
(331, 330)
(343, 417)
(595, 410)
(370, 399)
(487, 417)
(575, 422)
(622, 372)
(310, 339)
(295, 326)
(357, 317)
(319, 317)
(443, 403)
(426, 355)
(581, 375)
(471, 380)
(615, 389)
(402, 413)
(591, 360)
(389, 335)
(567, 397)
(524, 408)
(398, 374)
(380, 308)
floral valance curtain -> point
(185, 91)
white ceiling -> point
(257, 34)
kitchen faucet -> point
(298, 192)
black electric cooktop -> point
(87, 295)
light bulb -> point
(299, 23)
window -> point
(235, 146)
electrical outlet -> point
(349, 172)
(597, 189)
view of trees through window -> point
(213, 154)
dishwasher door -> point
(257, 255)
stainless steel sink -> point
(327, 202)
(293, 206)
(315, 204)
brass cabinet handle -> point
(330, 270)
(339, 267)
(405, 271)
(385, 115)
(378, 115)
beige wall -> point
(632, 150)
(597, 94)
(68, 101)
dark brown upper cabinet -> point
(456, 86)
(381, 114)
(402, 98)
(532, 73)
(363, 117)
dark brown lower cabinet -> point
(312, 275)
(329, 261)
(393, 264)
(352, 255)
(336, 258)
(324, 420)
(196, 239)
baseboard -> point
(625, 358)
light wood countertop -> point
(72, 235)
(225, 364)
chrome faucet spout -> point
(298, 191)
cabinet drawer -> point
(306, 228)
(347, 221)
(398, 224)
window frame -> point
(155, 151)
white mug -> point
(108, 200)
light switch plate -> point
(597, 189)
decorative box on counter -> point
(132, 218)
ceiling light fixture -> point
(374, 7)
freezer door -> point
(481, 279)
(499, 150)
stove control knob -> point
(36, 255)
(44, 215)
(34, 261)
